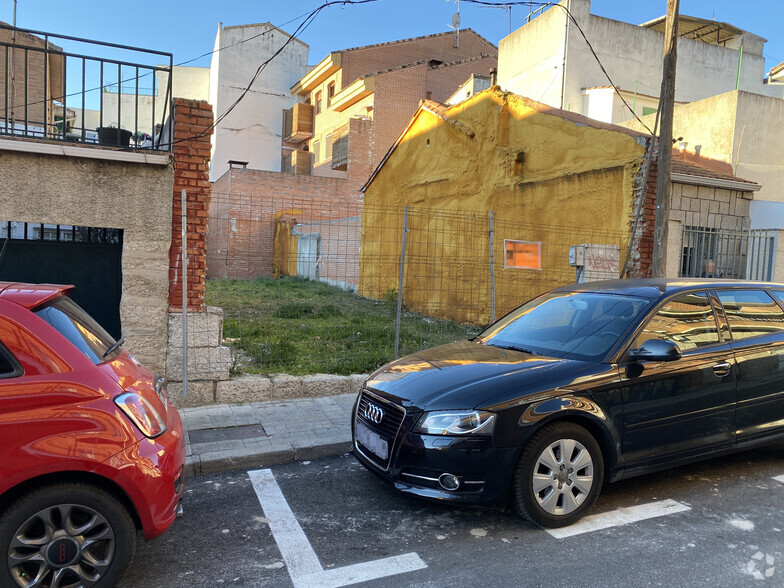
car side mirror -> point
(657, 350)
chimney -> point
(429, 95)
(493, 77)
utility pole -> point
(667, 104)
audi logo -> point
(373, 413)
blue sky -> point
(187, 28)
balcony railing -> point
(298, 122)
(83, 94)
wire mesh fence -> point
(327, 286)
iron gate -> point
(87, 257)
(716, 253)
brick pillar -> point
(192, 119)
(642, 253)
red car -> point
(91, 450)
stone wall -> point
(85, 191)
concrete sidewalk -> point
(237, 436)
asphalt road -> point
(727, 528)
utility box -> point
(593, 261)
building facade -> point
(548, 59)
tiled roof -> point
(398, 41)
(707, 168)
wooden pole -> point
(667, 102)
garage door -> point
(87, 257)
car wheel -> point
(558, 476)
(65, 535)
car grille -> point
(387, 429)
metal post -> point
(492, 272)
(184, 280)
(400, 281)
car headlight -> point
(473, 422)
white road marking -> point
(779, 479)
(301, 560)
(622, 516)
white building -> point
(548, 60)
(251, 132)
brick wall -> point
(28, 76)
(191, 173)
(442, 46)
(642, 251)
(399, 92)
(244, 202)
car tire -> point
(558, 475)
(66, 534)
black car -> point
(586, 384)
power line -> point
(587, 42)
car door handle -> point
(722, 369)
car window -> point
(751, 313)
(572, 325)
(78, 327)
(8, 367)
(688, 320)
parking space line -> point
(301, 560)
(779, 479)
(622, 516)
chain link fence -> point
(324, 286)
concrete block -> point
(355, 383)
(244, 389)
(199, 394)
(205, 329)
(147, 281)
(286, 386)
(317, 449)
(204, 363)
(242, 459)
(324, 385)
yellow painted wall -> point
(284, 256)
(575, 184)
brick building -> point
(351, 107)
(33, 80)
(383, 83)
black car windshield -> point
(79, 328)
(571, 325)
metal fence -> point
(717, 253)
(83, 94)
(329, 286)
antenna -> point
(456, 24)
(506, 7)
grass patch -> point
(302, 327)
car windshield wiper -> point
(114, 346)
(514, 348)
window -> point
(688, 320)
(9, 368)
(318, 102)
(523, 254)
(330, 92)
(78, 327)
(328, 147)
(316, 150)
(572, 325)
(751, 313)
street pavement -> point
(241, 436)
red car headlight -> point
(142, 414)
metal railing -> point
(716, 253)
(47, 92)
